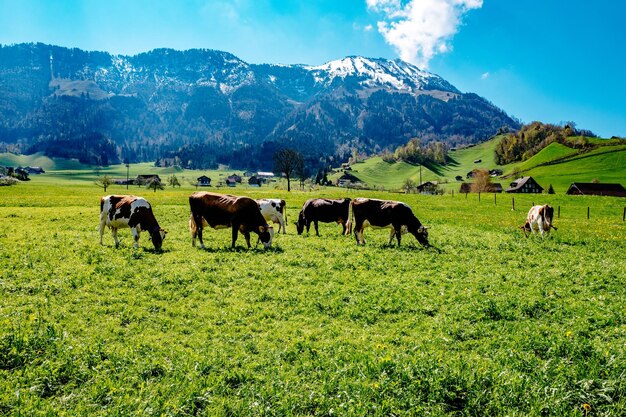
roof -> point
(204, 177)
(590, 188)
(349, 177)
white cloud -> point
(368, 28)
(485, 76)
(420, 29)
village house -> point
(255, 181)
(348, 179)
(590, 188)
(203, 181)
(146, 178)
(524, 185)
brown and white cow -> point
(219, 211)
(275, 210)
(130, 211)
(539, 219)
(323, 210)
(386, 214)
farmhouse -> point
(347, 179)
(429, 187)
(204, 181)
(589, 188)
(146, 178)
(255, 181)
(35, 170)
(494, 187)
(265, 175)
(234, 177)
(524, 185)
(231, 182)
(249, 174)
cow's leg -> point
(398, 232)
(308, 226)
(391, 235)
(235, 234)
(114, 233)
(102, 225)
(135, 231)
(345, 227)
(247, 236)
(198, 232)
(281, 224)
(317, 232)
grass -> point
(489, 323)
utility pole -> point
(127, 169)
(420, 174)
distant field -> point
(486, 323)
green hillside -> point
(556, 164)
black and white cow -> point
(274, 210)
(242, 214)
(118, 211)
(386, 214)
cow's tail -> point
(285, 212)
(193, 229)
(350, 219)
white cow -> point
(275, 210)
(129, 211)
(539, 219)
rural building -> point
(347, 179)
(35, 170)
(234, 177)
(146, 178)
(255, 181)
(249, 174)
(265, 174)
(590, 188)
(123, 181)
(231, 182)
(428, 187)
(494, 187)
(495, 172)
(524, 185)
(204, 181)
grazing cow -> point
(381, 214)
(220, 211)
(323, 210)
(275, 210)
(129, 211)
(539, 219)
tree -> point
(154, 183)
(482, 181)
(289, 162)
(408, 185)
(104, 182)
(550, 189)
(173, 181)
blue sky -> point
(548, 60)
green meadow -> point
(485, 323)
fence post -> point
(587, 213)
(513, 203)
(479, 196)
(495, 199)
(466, 195)
(624, 215)
(558, 213)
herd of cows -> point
(245, 215)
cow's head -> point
(266, 235)
(157, 236)
(422, 235)
(548, 213)
(300, 223)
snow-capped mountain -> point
(206, 107)
(369, 72)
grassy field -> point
(486, 323)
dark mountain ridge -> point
(202, 107)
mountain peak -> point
(378, 72)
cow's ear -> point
(261, 229)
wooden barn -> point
(590, 188)
(347, 179)
(204, 181)
(524, 185)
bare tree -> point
(289, 162)
(104, 182)
(482, 181)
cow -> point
(275, 210)
(323, 210)
(384, 213)
(242, 214)
(130, 211)
(539, 219)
